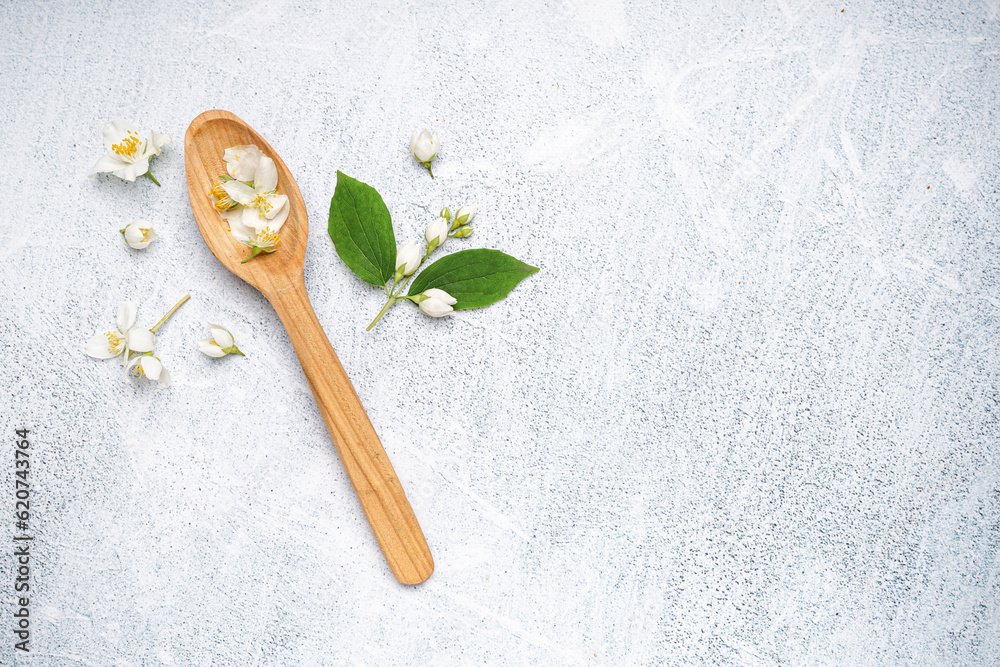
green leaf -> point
(361, 230)
(476, 278)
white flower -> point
(220, 344)
(424, 145)
(113, 343)
(438, 302)
(464, 216)
(262, 208)
(408, 258)
(148, 366)
(242, 161)
(437, 233)
(138, 234)
(129, 150)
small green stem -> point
(256, 251)
(167, 316)
(382, 312)
(150, 174)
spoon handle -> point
(374, 480)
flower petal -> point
(164, 378)
(105, 345)
(265, 179)
(221, 335)
(279, 218)
(140, 340)
(277, 203)
(234, 217)
(158, 140)
(151, 366)
(107, 163)
(242, 161)
(126, 316)
(132, 171)
(240, 192)
(208, 346)
(250, 219)
(117, 131)
(130, 367)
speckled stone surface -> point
(746, 413)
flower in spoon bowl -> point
(129, 150)
(242, 162)
(253, 208)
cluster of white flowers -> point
(129, 151)
(434, 302)
(248, 200)
(134, 344)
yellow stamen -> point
(222, 200)
(128, 146)
(262, 205)
(113, 342)
(267, 239)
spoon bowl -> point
(205, 142)
(279, 277)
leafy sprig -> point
(361, 230)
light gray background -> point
(746, 413)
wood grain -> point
(279, 277)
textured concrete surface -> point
(745, 414)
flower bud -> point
(463, 232)
(438, 302)
(436, 234)
(424, 145)
(138, 234)
(465, 215)
(220, 344)
(446, 213)
(408, 258)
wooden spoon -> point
(279, 278)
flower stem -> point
(382, 312)
(167, 316)
(150, 174)
(256, 251)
